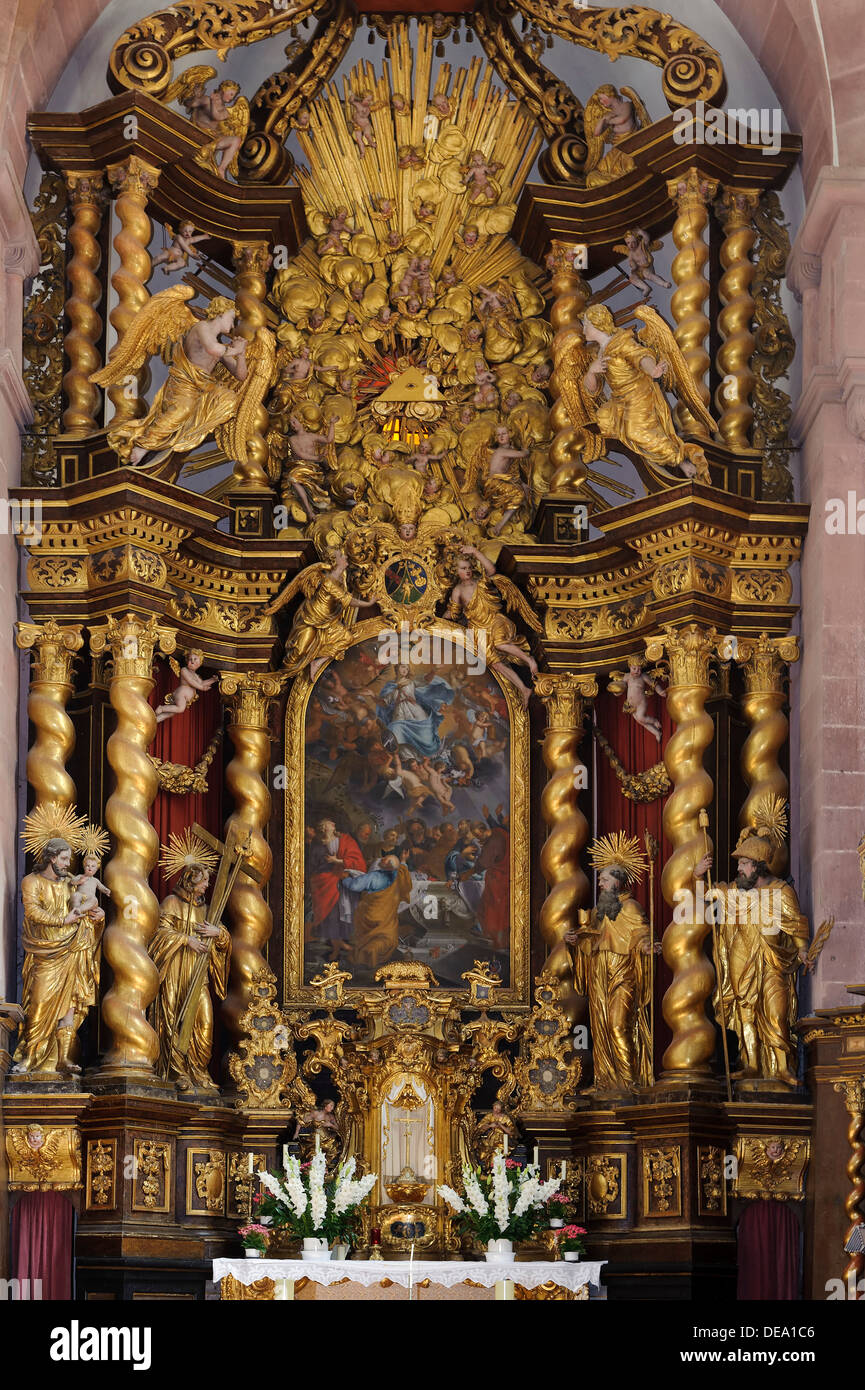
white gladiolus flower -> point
(351, 1194)
(474, 1193)
(501, 1193)
(317, 1194)
(452, 1198)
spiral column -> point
(764, 663)
(565, 697)
(691, 195)
(133, 181)
(51, 684)
(735, 209)
(85, 290)
(688, 650)
(853, 1091)
(131, 641)
(570, 296)
(249, 699)
(252, 261)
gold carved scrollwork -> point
(687, 575)
(606, 1184)
(662, 1181)
(262, 1291)
(42, 336)
(774, 350)
(264, 1066)
(547, 1070)
(41, 1159)
(710, 1173)
(771, 1167)
(284, 94)
(152, 1168)
(205, 1181)
(691, 67)
(101, 1173)
(636, 786)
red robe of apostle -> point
(494, 907)
(324, 880)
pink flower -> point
(253, 1230)
(571, 1232)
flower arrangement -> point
(571, 1240)
(557, 1207)
(501, 1205)
(308, 1203)
(254, 1237)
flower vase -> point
(315, 1248)
(571, 1255)
(556, 1223)
(252, 1254)
(500, 1252)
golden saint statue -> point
(187, 950)
(63, 925)
(762, 941)
(613, 966)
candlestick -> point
(535, 1158)
(251, 1164)
(506, 1146)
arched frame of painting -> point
(516, 994)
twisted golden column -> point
(853, 1091)
(691, 195)
(688, 650)
(570, 295)
(85, 291)
(51, 684)
(131, 641)
(249, 698)
(735, 209)
(132, 181)
(251, 263)
(764, 663)
(565, 698)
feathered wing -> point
(155, 329)
(476, 467)
(236, 123)
(571, 367)
(595, 143)
(306, 583)
(182, 87)
(658, 338)
(514, 601)
(642, 116)
(233, 437)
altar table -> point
(390, 1279)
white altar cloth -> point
(569, 1275)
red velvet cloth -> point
(768, 1239)
(638, 750)
(184, 739)
(43, 1225)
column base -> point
(129, 1081)
(687, 1085)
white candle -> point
(410, 1270)
(506, 1146)
(317, 1142)
(564, 1172)
(535, 1159)
(285, 1156)
(251, 1164)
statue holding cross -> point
(191, 950)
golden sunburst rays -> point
(95, 841)
(620, 850)
(431, 145)
(186, 851)
(768, 817)
(52, 821)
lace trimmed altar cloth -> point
(368, 1273)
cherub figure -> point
(639, 247)
(467, 237)
(307, 450)
(224, 113)
(618, 115)
(410, 157)
(441, 105)
(360, 124)
(501, 485)
(199, 398)
(94, 846)
(417, 280)
(176, 255)
(478, 175)
(637, 685)
(318, 633)
(487, 393)
(338, 227)
(187, 692)
(476, 598)
(383, 209)
(423, 456)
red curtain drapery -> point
(768, 1241)
(43, 1225)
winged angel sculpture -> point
(634, 366)
(213, 388)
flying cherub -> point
(214, 388)
(176, 255)
(638, 247)
(637, 685)
(634, 367)
(187, 692)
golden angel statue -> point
(187, 950)
(63, 926)
(634, 366)
(613, 966)
(224, 114)
(213, 388)
(609, 117)
(494, 469)
(476, 599)
(762, 940)
(319, 632)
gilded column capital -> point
(688, 650)
(692, 188)
(565, 696)
(248, 695)
(251, 257)
(132, 641)
(133, 177)
(853, 1091)
(735, 207)
(763, 660)
(560, 262)
(53, 647)
(85, 189)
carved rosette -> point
(249, 697)
(51, 684)
(735, 209)
(688, 651)
(764, 662)
(691, 195)
(133, 181)
(86, 202)
(131, 642)
(565, 698)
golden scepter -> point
(704, 822)
(652, 847)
